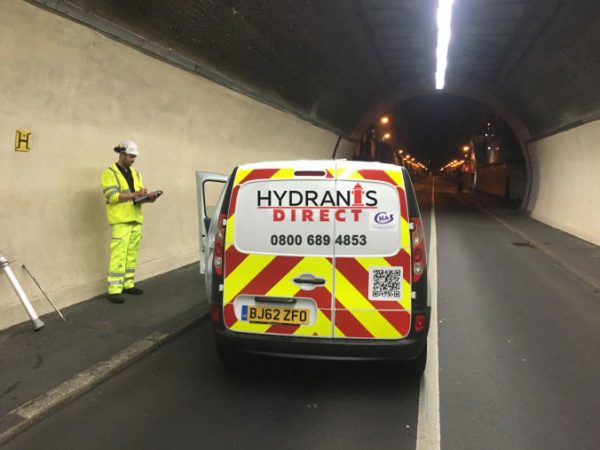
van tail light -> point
(219, 251)
(417, 244)
(420, 321)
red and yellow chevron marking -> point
(384, 319)
(265, 275)
(351, 314)
(355, 315)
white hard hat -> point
(128, 147)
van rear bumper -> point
(325, 348)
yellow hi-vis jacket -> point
(113, 183)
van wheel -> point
(416, 367)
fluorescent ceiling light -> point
(444, 17)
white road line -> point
(428, 427)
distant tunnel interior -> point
(460, 139)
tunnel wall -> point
(80, 93)
(566, 191)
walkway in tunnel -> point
(518, 340)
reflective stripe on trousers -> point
(124, 246)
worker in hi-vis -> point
(121, 184)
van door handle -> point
(312, 280)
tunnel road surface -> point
(518, 369)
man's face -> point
(126, 160)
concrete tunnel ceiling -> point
(337, 63)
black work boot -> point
(133, 291)
(115, 298)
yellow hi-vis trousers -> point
(124, 246)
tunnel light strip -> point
(444, 17)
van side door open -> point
(208, 187)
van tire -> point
(416, 367)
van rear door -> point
(278, 273)
(372, 254)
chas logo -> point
(383, 218)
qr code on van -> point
(385, 283)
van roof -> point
(312, 163)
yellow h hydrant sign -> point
(22, 140)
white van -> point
(316, 259)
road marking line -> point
(40, 407)
(86, 380)
(428, 427)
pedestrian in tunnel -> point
(121, 185)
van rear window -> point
(321, 217)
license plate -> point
(273, 315)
